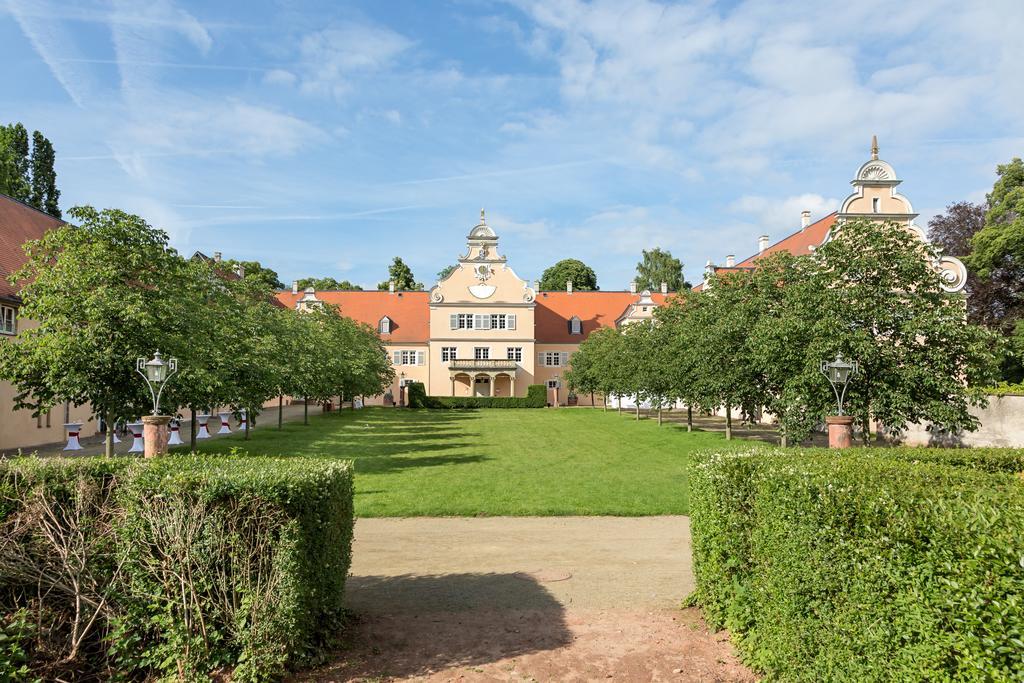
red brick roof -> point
(19, 223)
(409, 311)
(594, 309)
(798, 244)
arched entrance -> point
(482, 385)
(462, 385)
(502, 385)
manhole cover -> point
(545, 575)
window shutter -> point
(564, 358)
(397, 357)
(540, 359)
(510, 321)
(454, 319)
(419, 358)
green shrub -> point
(1006, 460)
(861, 567)
(536, 397)
(184, 565)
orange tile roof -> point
(19, 223)
(409, 311)
(594, 309)
(798, 244)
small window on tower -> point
(874, 204)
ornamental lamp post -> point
(156, 372)
(840, 427)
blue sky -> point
(324, 138)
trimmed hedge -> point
(536, 397)
(862, 567)
(184, 565)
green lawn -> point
(494, 462)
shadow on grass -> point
(413, 625)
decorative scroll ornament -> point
(529, 296)
(874, 172)
(436, 296)
(953, 274)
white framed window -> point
(482, 321)
(384, 326)
(515, 353)
(447, 353)
(408, 357)
(8, 320)
(575, 325)
(554, 383)
(461, 321)
(553, 359)
(875, 202)
(482, 353)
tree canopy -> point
(254, 270)
(657, 266)
(446, 271)
(328, 283)
(401, 275)
(1002, 238)
(579, 273)
(27, 173)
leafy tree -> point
(328, 283)
(659, 266)
(594, 366)
(26, 174)
(401, 275)
(102, 294)
(872, 295)
(1002, 239)
(445, 272)
(582, 276)
(647, 344)
(254, 270)
(15, 180)
(44, 194)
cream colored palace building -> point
(483, 330)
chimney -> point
(536, 286)
(664, 288)
(632, 287)
(568, 286)
(295, 286)
(216, 257)
(805, 219)
(762, 243)
(391, 286)
(730, 260)
(240, 271)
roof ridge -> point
(792, 234)
(29, 206)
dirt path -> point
(527, 599)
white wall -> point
(1002, 424)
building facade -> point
(20, 223)
(483, 330)
(875, 197)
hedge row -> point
(180, 566)
(863, 567)
(536, 397)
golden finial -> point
(482, 219)
(874, 146)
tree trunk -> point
(593, 401)
(783, 440)
(659, 414)
(108, 436)
(604, 399)
(249, 417)
(305, 410)
(728, 421)
(194, 425)
(638, 407)
(866, 428)
(280, 410)
(689, 417)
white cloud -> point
(280, 77)
(782, 216)
(333, 56)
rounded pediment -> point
(482, 232)
(877, 170)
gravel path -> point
(526, 599)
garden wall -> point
(1002, 425)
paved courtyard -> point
(532, 599)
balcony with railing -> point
(482, 364)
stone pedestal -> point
(156, 434)
(840, 431)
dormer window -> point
(384, 326)
(575, 325)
